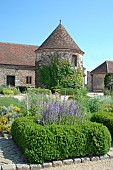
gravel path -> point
(96, 165)
(10, 153)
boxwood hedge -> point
(106, 118)
(56, 142)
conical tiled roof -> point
(106, 67)
(60, 39)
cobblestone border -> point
(54, 163)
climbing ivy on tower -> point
(59, 73)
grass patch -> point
(6, 101)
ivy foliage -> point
(107, 80)
(60, 73)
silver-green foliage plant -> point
(34, 103)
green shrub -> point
(15, 90)
(6, 101)
(39, 90)
(66, 91)
(7, 91)
(57, 142)
(106, 118)
(1, 88)
(10, 90)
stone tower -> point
(59, 42)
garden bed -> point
(57, 142)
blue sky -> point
(89, 22)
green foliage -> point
(66, 91)
(1, 88)
(7, 91)
(57, 142)
(10, 90)
(38, 91)
(108, 107)
(6, 101)
(107, 92)
(60, 72)
(35, 103)
(89, 105)
(107, 80)
(106, 118)
(94, 105)
(79, 78)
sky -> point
(89, 22)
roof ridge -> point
(60, 39)
(17, 44)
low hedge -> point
(39, 90)
(66, 91)
(106, 118)
(57, 142)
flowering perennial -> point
(66, 112)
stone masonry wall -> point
(43, 58)
(20, 73)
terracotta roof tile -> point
(17, 54)
(60, 39)
(106, 67)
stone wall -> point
(44, 58)
(20, 73)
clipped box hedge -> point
(39, 90)
(106, 118)
(66, 91)
(57, 142)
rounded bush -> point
(56, 142)
(106, 118)
(39, 90)
(66, 91)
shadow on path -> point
(10, 152)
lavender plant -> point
(66, 112)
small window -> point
(28, 80)
(74, 61)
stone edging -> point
(54, 163)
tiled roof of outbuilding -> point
(106, 67)
(17, 54)
(60, 39)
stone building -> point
(59, 43)
(17, 64)
(96, 77)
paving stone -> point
(22, 167)
(8, 167)
(47, 165)
(68, 162)
(57, 163)
(35, 166)
(85, 159)
(104, 157)
(110, 154)
(94, 158)
(77, 160)
(5, 161)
